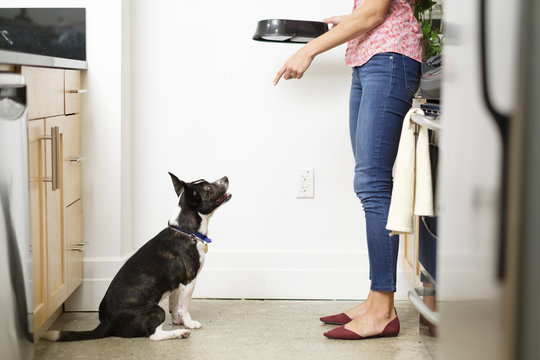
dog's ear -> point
(178, 184)
(193, 197)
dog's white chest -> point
(202, 247)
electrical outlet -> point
(305, 183)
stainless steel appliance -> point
(16, 300)
(488, 246)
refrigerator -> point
(16, 300)
(489, 176)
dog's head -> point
(202, 196)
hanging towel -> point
(412, 192)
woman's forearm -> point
(368, 16)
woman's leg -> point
(388, 83)
(354, 126)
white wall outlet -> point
(305, 183)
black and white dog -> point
(167, 265)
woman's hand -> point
(297, 64)
(334, 20)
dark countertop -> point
(52, 37)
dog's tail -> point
(101, 331)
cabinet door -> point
(56, 261)
(72, 98)
(71, 140)
(74, 245)
(45, 91)
(36, 157)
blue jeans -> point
(381, 94)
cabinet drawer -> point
(71, 152)
(72, 94)
(45, 91)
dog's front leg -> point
(182, 310)
(174, 307)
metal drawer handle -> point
(55, 157)
(77, 91)
(82, 243)
(77, 249)
(427, 313)
(78, 159)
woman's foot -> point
(378, 313)
(348, 315)
(372, 323)
(390, 330)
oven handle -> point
(431, 316)
(503, 123)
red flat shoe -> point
(339, 319)
(390, 330)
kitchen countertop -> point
(48, 37)
(18, 58)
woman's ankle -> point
(382, 304)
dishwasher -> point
(16, 295)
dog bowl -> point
(294, 31)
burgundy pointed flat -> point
(390, 330)
(339, 319)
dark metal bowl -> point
(295, 31)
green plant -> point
(433, 39)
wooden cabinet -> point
(36, 155)
(54, 134)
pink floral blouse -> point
(399, 33)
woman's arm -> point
(368, 16)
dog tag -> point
(205, 248)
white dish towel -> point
(412, 193)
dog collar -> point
(203, 237)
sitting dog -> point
(167, 265)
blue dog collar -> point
(203, 237)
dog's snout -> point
(224, 181)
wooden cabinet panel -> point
(74, 244)
(45, 91)
(71, 142)
(36, 155)
(72, 83)
(56, 262)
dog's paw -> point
(177, 320)
(192, 324)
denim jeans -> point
(381, 94)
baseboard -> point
(255, 275)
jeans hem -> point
(383, 288)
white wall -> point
(196, 98)
(203, 106)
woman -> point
(385, 53)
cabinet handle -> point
(55, 157)
(77, 249)
(78, 159)
(81, 244)
(77, 91)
